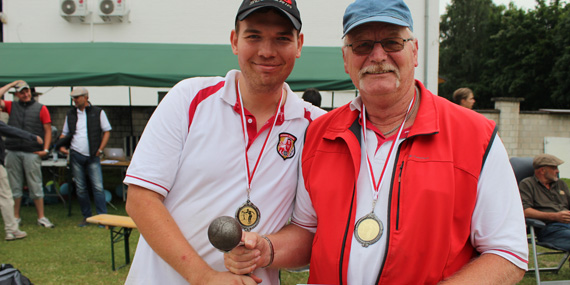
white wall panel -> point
(204, 22)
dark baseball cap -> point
(287, 7)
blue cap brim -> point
(377, 19)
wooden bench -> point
(124, 224)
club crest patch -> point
(286, 145)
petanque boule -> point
(224, 233)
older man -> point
(399, 186)
(546, 197)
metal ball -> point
(224, 233)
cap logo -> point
(286, 2)
(286, 145)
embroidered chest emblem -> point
(286, 145)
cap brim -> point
(293, 20)
(14, 92)
(377, 19)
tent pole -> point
(131, 111)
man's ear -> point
(234, 41)
(300, 42)
(416, 52)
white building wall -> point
(189, 21)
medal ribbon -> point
(249, 174)
(376, 187)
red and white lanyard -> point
(376, 187)
(250, 174)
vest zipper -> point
(387, 228)
(399, 192)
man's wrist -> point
(46, 150)
(271, 251)
(100, 151)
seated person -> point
(545, 197)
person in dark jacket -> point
(85, 133)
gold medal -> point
(248, 216)
(368, 230)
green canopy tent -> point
(151, 65)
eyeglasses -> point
(389, 45)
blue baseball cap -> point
(386, 11)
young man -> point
(221, 146)
(389, 195)
(85, 134)
(23, 158)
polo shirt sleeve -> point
(155, 162)
(304, 214)
(44, 115)
(105, 125)
(498, 224)
(65, 129)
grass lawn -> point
(68, 254)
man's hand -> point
(39, 140)
(64, 150)
(14, 83)
(254, 253)
(41, 153)
(563, 217)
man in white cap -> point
(24, 157)
(221, 146)
(389, 194)
(11, 226)
(85, 134)
(545, 197)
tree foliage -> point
(503, 51)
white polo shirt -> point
(192, 153)
(80, 142)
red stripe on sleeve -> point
(138, 178)
(516, 256)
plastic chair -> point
(522, 166)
